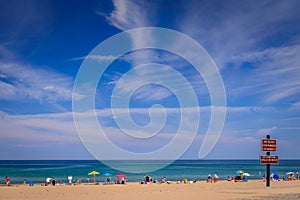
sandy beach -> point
(254, 189)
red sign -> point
(269, 145)
(268, 159)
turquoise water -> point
(39, 170)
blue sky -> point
(254, 44)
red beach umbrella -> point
(121, 176)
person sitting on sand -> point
(107, 181)
(216, 178)
(123, 181)
(164, 180)
(147, 179)
(209, 178)
(229, 178)
(237, 179)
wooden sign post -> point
(268, 146)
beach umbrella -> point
(246, 174)
(93, 173)
(121, 176)
(107, 174)
(289, 173)
(239, 172)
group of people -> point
(211, 179)
(147, 179)
(50, 181)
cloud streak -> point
(25, 82)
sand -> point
(254, 189)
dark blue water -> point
(39, 170)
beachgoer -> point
(107, 180)
(237, 179)
(245, 179)
(53, 181)
(147, 179)
(24, 181)
(264, 178)
(48, 181)
(88, 179)
(229, 178)
(70, 178)
(297, 175)
(216, 178)
(209, 178)
(7, 180)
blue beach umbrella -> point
(107, 174)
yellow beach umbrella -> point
(246, 174)
(94, 173)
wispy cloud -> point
(275, 75)
(266, 69)
(226, 33)
(40, 128)
(97, 57)
(134, 14)
(25, 82)
(129, 14)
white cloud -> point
(266, 131)
(97, 57)
(41, 128)
(248, 33)
(59, 128)
(129, 14)
(227, 29)
(26, 82)
(275, 75)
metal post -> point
(268, 167)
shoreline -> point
(134, 190)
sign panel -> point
(268, 159)
(269, 145)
